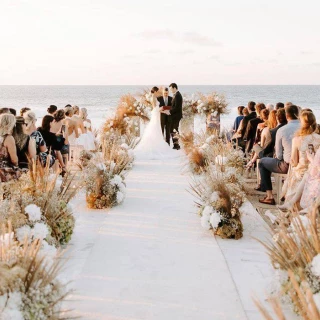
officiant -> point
(165, 101)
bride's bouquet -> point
(214, 104)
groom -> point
(165, 101)
(176, 114)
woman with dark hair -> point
(26, 148)
(238, 118)
(154, 90)
(59, 116)
(51, 141)
(52, 110)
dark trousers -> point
(266, 167)
(166, 126)
(175, 131)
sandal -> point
(268, 201)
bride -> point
(152, 145)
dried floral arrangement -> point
(129, 106)
(307, 303)
(105, 173)
(220, 194)
(296, 250)
(213, 103)
(30, 287)
(189, 107)
(38, 208)
(203, 149)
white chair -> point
(74, 154)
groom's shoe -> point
(176, 147)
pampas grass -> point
(302, 298)
(27, 273)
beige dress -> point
(296, 173)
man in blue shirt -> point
(279, 164)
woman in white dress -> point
(153, 145)
(86, 139)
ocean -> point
(102, 100)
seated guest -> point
(244, 122)
(59, 129)
(238, 119)
(281, 119)
(283, 146)
(52, 110)
(279, 105)
(308, 189)
(270, 107)
(76, 117)
(263, 137)
(56, 126)
(251, 130)
(5, 110)
(304, 139)
(26, 148)
(51, 141)
(13, 111)
(8, 151)
(23, 111)
(41, 148)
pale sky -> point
(145, 42)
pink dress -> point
(311, 189)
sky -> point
(134, 42)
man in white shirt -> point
(283, 146)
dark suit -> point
(250, 134)
(176, 116)
(165, 119)
(243, 128)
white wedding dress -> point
(152, 145)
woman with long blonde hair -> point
(8, 151)
(87, 139)
(305, 139)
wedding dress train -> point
(152, 145)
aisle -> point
(149, 258)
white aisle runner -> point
(149, 258)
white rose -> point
(215, 219)
(33, 212)
(40, 231)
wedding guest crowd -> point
(22, 142)
(284, 139)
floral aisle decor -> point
(105, 185)
(129, 106)
(36, 204)
(189, 109)
(307, 304)
(29, 283)
(203, 149)
(214, 104)
(219, 197)
(297, 249)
